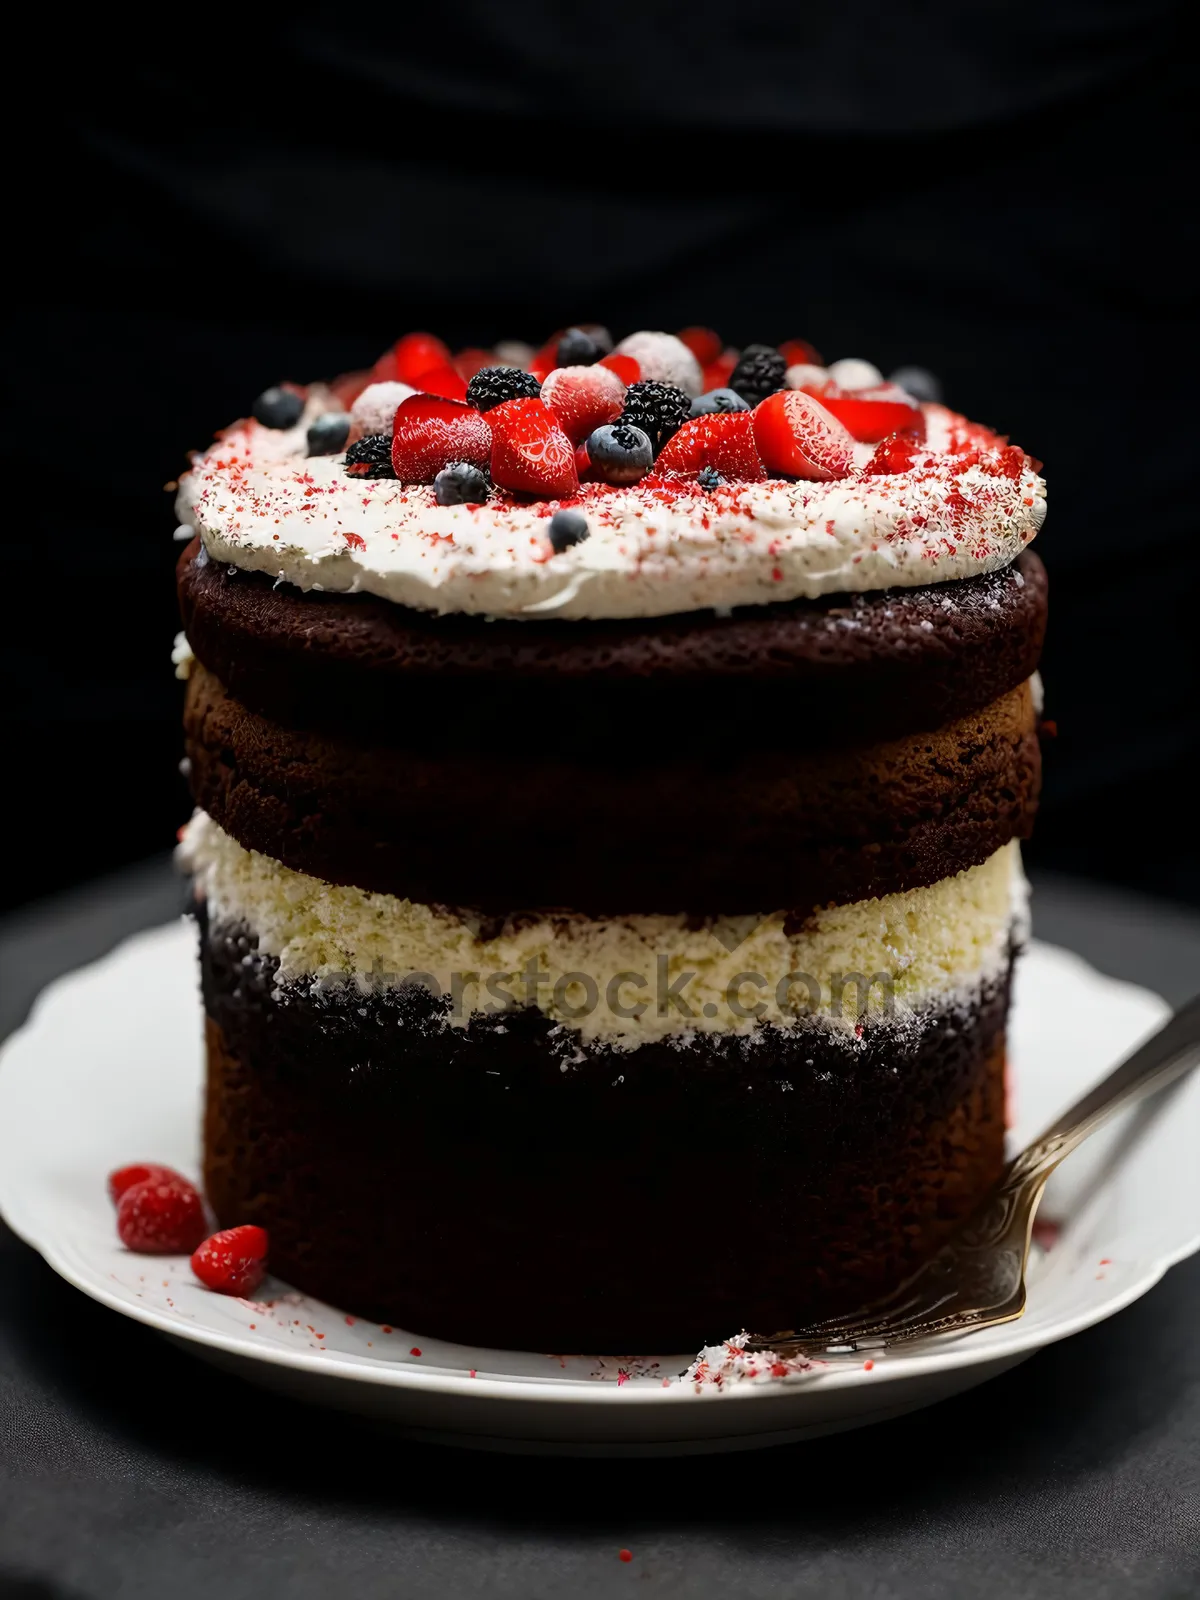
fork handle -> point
(1165, 1056)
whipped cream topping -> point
(260, 504)
(626, 980)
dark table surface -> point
(128, 1468)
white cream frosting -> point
(261, 505)
(933, 945)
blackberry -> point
(327, 434)
(492, 386)
(567, 528)
(658, 409)
(278, 408)
(760, 371)
(370, 457)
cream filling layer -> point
(260, 504)
(625, 981)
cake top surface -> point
(630, 484)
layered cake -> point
(610, 767)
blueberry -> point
(278, 408)
(567, 528)
(577, 349)
(718, 400)
(620, 452)
(327, 435)
(917, 382)
(709, 478)
(460, 484)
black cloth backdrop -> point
(999, 192)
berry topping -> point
(582, 398)
(530, 452)
(445, 381)
(854, 374)
(375, 408)
(430, 433)
(723, 440)
(709, 478)
(580, 347)
(718, 400)
(718, 373)
(460, 484)
(796, 436)
(567, 528)
(233, 1261)
(871, 416)
(806, 376)
(897, 453)
(760, 371)
(704, 344)
(664, 358)
(470, 361)
(139, 1172)
(278, 408)
(161, 1217)
(620, 454)
(798, 352)
(658, 409)
(328, 434)
(625, 367)
(492, 386)
(415, 355)
(917, 382)
(370, 457)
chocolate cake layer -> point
(841, 669)
(460, 1183)
(708, 825)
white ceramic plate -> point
(108, 1070)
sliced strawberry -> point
(530, 452)
(718, 373)
(417, 353)
(704, 344)
(796, 436)
(626, 368)
(583, 398)
(873, 414)
(233, 1261)
(469, 361)
(897, 453)
(442, 380)
(583, 463)
(799, 353)
(722, 439)
(431, 432)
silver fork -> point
(977, 1278)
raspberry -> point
(416, 353)
(161, 1217)
(530, 452)
(492, 386)
(583, 399)
(431, 433)
(233, 1261)
(665, 359)
(760, 371)
(658, 409)
(140, 1172)
(375, 409)
(704, 344)
(370, 457)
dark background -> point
(1003, 193)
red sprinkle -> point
(624, 1555)
(415, 1351)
